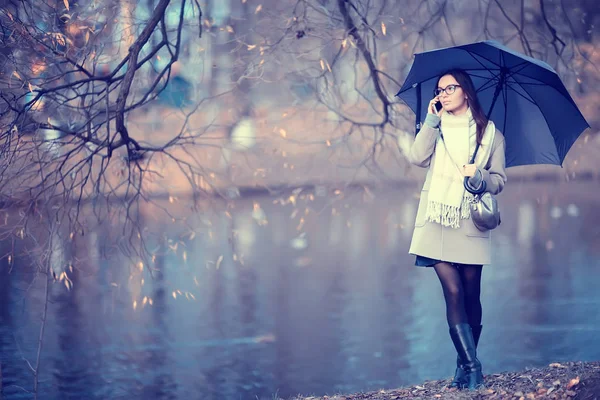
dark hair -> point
(465, 82)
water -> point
(321, 305)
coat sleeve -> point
(424, 145)
(494, 174)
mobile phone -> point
(438, 106)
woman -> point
(444, 236)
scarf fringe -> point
(448, 215)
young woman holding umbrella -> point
(527, 101)
(444, 237)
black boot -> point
(464, 342)
(460, 380)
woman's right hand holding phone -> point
(432, 107)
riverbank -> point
(570, 380)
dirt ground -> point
(571, 380)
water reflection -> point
(319, 297)
(526, 225)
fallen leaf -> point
(573, 382)
(66, 4)
(383, 29)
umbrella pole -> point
(418, 113)
(497, 91)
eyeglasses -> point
(448, 89)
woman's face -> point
(456, 102)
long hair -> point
(465, 82)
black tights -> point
(462, 287)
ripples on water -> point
(320, 300)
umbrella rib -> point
(531, 83)
(512, 72)
(529, 94)
(513, 69)
(528, 99)
(479, 76)
(485, 58)
(561, 158)
(517, 71)
(489, 84)
(530, 77)
(545, 119)
(494, 78)
(505, 101)
(523, 65)
(541, 83)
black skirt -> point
(421, 261)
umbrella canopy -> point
(524, 97)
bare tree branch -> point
(353, 31)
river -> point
(312, 294)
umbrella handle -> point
(474, 192)
(466, 180)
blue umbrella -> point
(523, 96)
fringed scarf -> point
(448, 201)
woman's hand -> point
(432, 109)
(469, 170)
